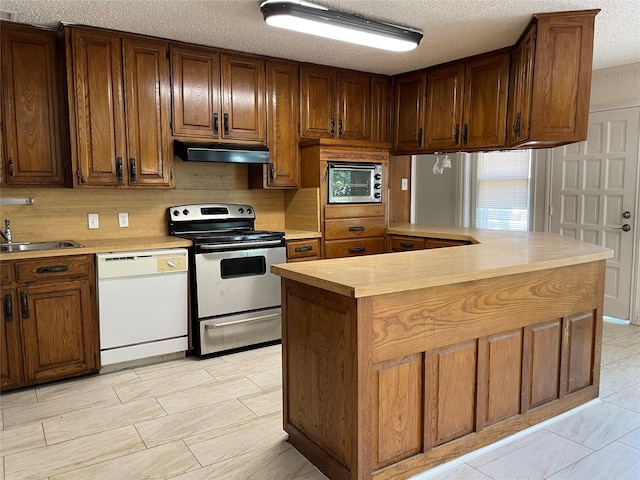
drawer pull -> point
(53, 269)
(406, 244)
(8, 307)
(356, 229)
(356, 249)
(25, 304)
(307, 248)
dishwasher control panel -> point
(172, 264)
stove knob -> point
(241, 210)
(185, 211)
(249, 211)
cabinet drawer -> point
(337, 229)
(303, 249)
(353, 248)
(402, 244)
(355, 210)
(43, 269)
(445, 242)
(6, 272)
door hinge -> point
(550, 210)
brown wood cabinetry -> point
(335, 103)
(548, 105)
(445, 242)
(282, 117)
(33, 123)
(467, 104)
(409, 103)
(380, 109)
(113, 145)
(218, 96)
(403, 243)
(303, 250)
(49, 320)
(352, 230)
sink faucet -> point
(7, 230)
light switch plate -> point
(405, 184)
(123, 219)
(94, 221)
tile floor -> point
(220, 418)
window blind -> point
(502, 191)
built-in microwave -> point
(355, 182)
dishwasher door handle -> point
(245, 320)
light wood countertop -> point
(103, 246)
(494, 253)
(300, 234)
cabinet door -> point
(380, 109)
(31, 107)
(195, 92)
(409, 93)
(354, 104)
(146, 77)
(520, 84)
(485, 102)
(97, 106)
(59, 330)
(243, 88)
(283, 103)
(444, 107)
(318, 116)
(10, 346)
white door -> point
(593, 197)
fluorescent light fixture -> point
(306, 17)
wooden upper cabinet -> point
(33, 130)
(195, 77)
(409, 104)
(445, 88)
(104, 71)
(558, 97)
(243, 97)
(334, 103)
(283, 106)
(380, 109)
(485, 102)
(467, 104)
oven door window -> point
(351, 183)
(243, 267)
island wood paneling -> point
(581, 335)
(541, 353)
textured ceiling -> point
(452, 28)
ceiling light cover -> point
(317, 20)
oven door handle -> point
(246, 320)
(245, 246)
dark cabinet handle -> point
(356, 249)
(516, 125)
(465, 133)
(53, 269)
(134, 171)
(25, 304)
(307, 248)
(11, 167)
(406, 244)
(119, 169)
(332, 126)
(272, 173)
(356, 229)
(215, 124)
(8, 307)
(226, 124)
(420, 137)
(340, 128)
(456, 134)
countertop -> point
(300, 234)
(494, 253)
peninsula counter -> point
(395, 363)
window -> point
(502, 190)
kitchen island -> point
(395, 363)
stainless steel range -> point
(235, 299)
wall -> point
(434, 195)
(61, 213)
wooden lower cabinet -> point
(403, 243)
(49, 321)
(388, 386)
(303, 250)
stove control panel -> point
(211, 211)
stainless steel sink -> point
(29, 247)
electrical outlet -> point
(405, 184)
(94, 221)
(123, 220)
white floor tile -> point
(615, 461)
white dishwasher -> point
(142, 304)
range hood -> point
(221, 152)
